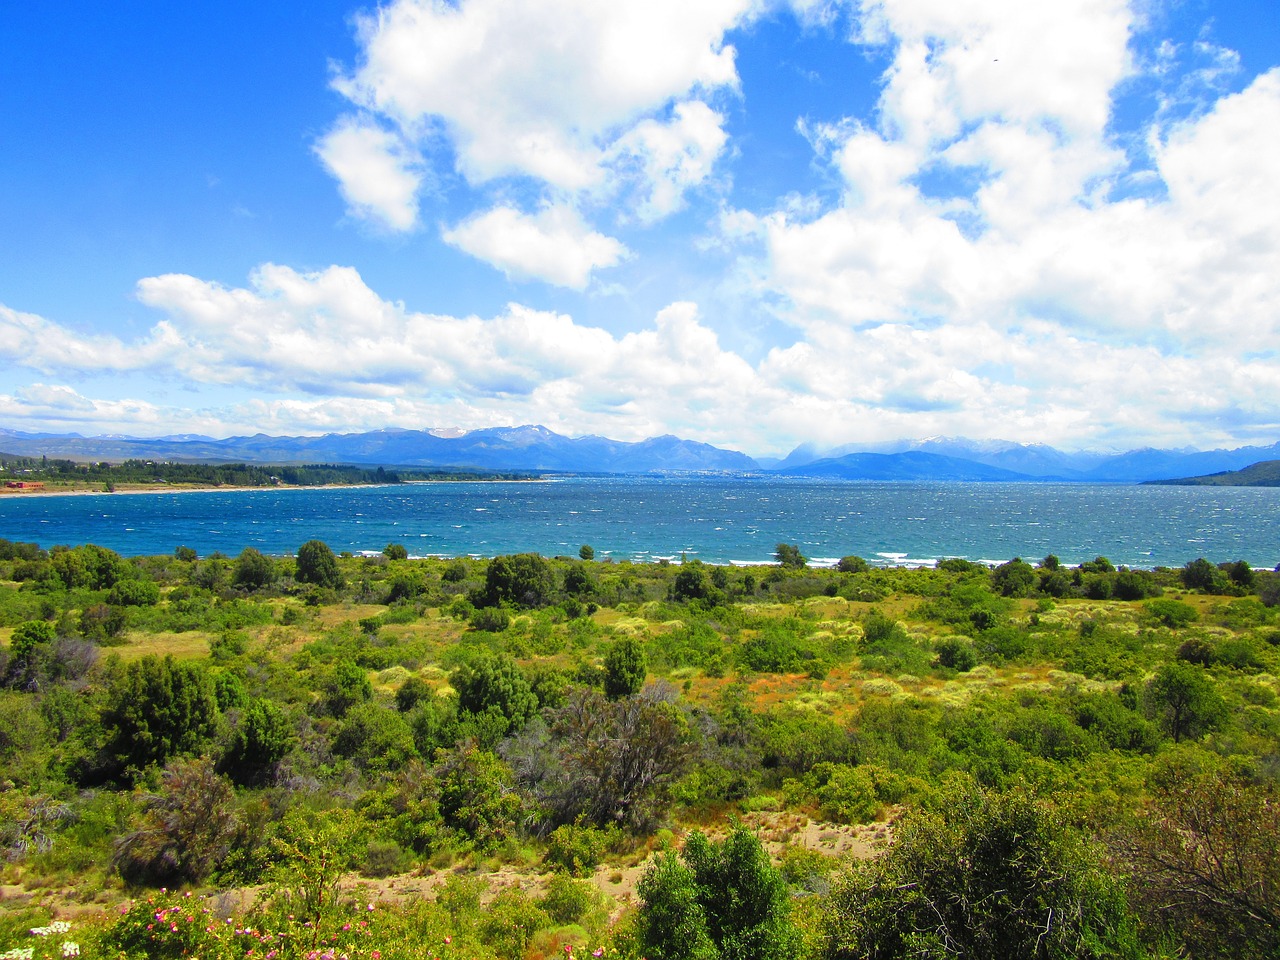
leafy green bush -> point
(625, 668)
(989, 877)
(717, 900)
(156, 709)
(510, 922)
(570, 901)
(1172, 613)
(577, 848)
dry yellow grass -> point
(181, 646)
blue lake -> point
(720, 520)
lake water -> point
(720, 520)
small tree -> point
(521, 580)
(789, 556)
(262, 738)
(624, 669)
(253, 570)
(1202, 575)
(317, 564)
(157, 709)
(186, 830)
(691, 583)
(587, 552)
(1014, 579)
(725, 900)
(1181, 696)
(395, 551)
(494, 683)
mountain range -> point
(536, 448)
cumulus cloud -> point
(1030, 291)
(376, 171)
(326, 352)
(545, 89)
(674, 156)
(555, 245)
(322, 351)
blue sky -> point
(754, 223)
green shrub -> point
(956, 653)
(510, 922)
(725, 900)
(570, 901)
(989, 877)
(625, 668)
(384, 858)
(577, 848)
(1171, 613)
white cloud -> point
(1029, 63)
(377, 173)
(554, 245)
(322, 351)
(548, 88)
(1028, 301)
(675, 156)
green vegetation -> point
(1265, 473)
(529, 757)
(98, 476)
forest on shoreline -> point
(57, 474)
(523, 757)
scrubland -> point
(320, 756)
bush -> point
(134, 593)
(1205, 865)
(1173, 614)
(955, 653)
(186, 830)
(577, 848)
(490, 619)
(477, 796)
(510, 922)
(316, 564)
(625, 669)
(990, 877)
(524, 580)
(570, 901)
(384, 858)
(725, 900)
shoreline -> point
(140, 488)
(137, 489)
